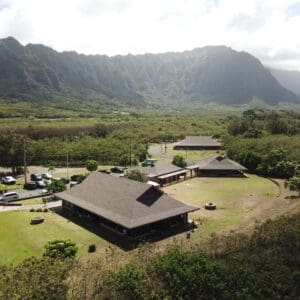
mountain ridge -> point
(209, 74)
(290, 79)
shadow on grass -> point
(125, 243)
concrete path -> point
(25, 194)
(29, 206)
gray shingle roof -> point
(126, 202)
(219, 162)
(204, 141)
(158, 170)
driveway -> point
(25, 194)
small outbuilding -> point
(163, 173)
(219, 165)
(127, 207)
(198, 143)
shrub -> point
(136, 175)
(56, 186)
(127, 280)
(91, 165)
(45, 210)
(92, 248)
(60, 249)
(39, 210)
(179, 161)
(32, 210)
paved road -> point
(29, 206)
(29, 194)
(158, 150)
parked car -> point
(104, 171)
(65, 180)
(74, 177)
(44, 192)
(41, 184)
(47, 176)
(9, 180)
(118, 170)
(73, 183)
(10, 196)
(48, 181)
(30, 185)
(36, 177)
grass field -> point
(19, 239)
(236, 198)
(159, 152)
(239, 201)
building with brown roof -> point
(163, 173)
(125, 206)
(198, 143)
(219, 165)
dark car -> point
(118, 170)
(36, 177)
(65, 180)
(104, 171)
(74, 177)
(30, 186)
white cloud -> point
(138, 26)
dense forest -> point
(263, 265)
(266, 142)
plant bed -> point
(210, 206)
(36, 220)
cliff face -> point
(218, 74)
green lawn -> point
(235, 199)
(19, 239)
(12, 187)
(38, 200)
(157, 151)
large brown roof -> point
(219, 162)
(203, 141)
(158, 170)
(123, 201)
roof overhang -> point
(172, 174)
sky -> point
(268, 29)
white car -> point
(10, 196)
(9, 180)
(47, 176)
(44, 192)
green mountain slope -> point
(210, 74)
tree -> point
(179, 161)
(294, 184)
(91, 165)
(101, 130)
(276, 125)
(136, 175)
(60, 249)
(56, 186)
(11, 150)
(125, 161)
(250, 160)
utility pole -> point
(130, 153)
(24, 160)
(68, 164)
